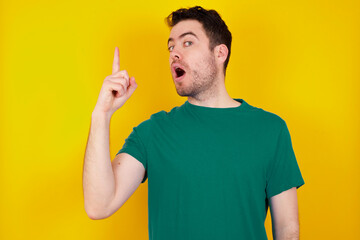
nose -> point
(175, 55)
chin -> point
(181, 92)
(183, 95)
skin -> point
(284, 215)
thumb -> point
(132, 86)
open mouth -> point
(179, 72)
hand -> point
(116, 89)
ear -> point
(221, 52)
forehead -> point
(187, 26)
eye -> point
(188, 43)
(170, 48)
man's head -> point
(215, 28)
(199, 46)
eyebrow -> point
(183, 35)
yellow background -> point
(297, 59)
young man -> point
(215, 164)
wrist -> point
(96, 114)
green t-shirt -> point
(211, 171)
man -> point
(215, 164)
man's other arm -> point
(284, 215)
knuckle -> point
(108, 78)
(124, 74)
(106, 81)
(124, 81)
(122, 85)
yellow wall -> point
(298, 59)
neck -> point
(216, 96)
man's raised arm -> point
(101, 177)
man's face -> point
(192, 64)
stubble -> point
(203, 82)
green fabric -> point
(211, 171)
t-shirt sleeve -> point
(135, 146)
(284, 171)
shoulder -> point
(157, 117)
(165, 115)
(266, 117)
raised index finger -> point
(116, 63)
